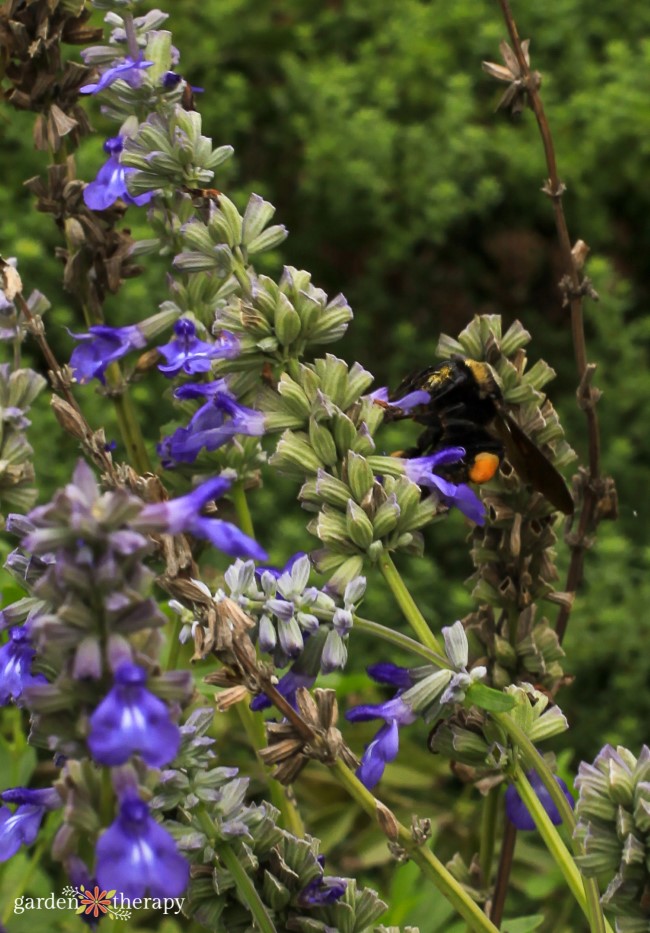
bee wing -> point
(531, 464)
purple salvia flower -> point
(407, 403)
(136, 855)
(385, 672)
(103, 345)
(420, 470)
(110, 183)
(385, 745)
(213, 425)
(324, 889)
(191, 355)
(517, 811)
(16, 664)
(182, 515)
(287, 686)
(130, 720)
(126, 69)
(21, 827)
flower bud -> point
(359, 526)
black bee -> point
(466, 409)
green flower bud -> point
(295, 456)
(359, 526)
(323, 443)
(360, 476)
(386, 517)
(256, 216)
(287, 321)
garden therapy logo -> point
(95, 903)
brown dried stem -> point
(574, 288)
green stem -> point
(247, 891)
(238, 496)
(424, 858)
(253, 724)
(25, 877)
(395, 638)
(174, 645)
(127, 420)
(488, 833)
(534, 761)
(553, 842)
(406, 603)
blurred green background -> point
(371, 127)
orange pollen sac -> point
(484, 467)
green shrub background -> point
(371, 127)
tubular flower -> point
(136, 855)
(385, 745)
(182, 515)
(126, 69)
(212, 425)
(15, 665)
(101, 346)
(131, 720)
(21, 827)
(516, 809)
(110, 183)
(420, 470)
(191, 355)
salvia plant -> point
(126, 642)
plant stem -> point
(247, 890)
(253, 724)
(488, 833)
(244, 518)
(558, 850)
(399, 639)
(127, 420)
(427, 862)
(506, 857)
(25, 877)
(573, 291)
(407, 604)
(533, 760)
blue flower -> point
(186, 352)
(517, 811)
(385, 672)
(287, 686)
(182, 515)
(130, 720)
(420, 470)
(407, 403)
(127, 69)
(16, 665)
(212, 425)
(385, 745)
(135, 854)
(110, 183)
(103, 345)
(324, 889)
(21, 827)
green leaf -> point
(523, 924)
(487, 698)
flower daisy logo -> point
(96, 903)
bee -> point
(466, 409)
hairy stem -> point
(424, 858)
(574, 288)
(534, 761)
(506, 858)
(399, 639)
(253, 725)
(488, 832)
(407, 604)
(575, 882)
